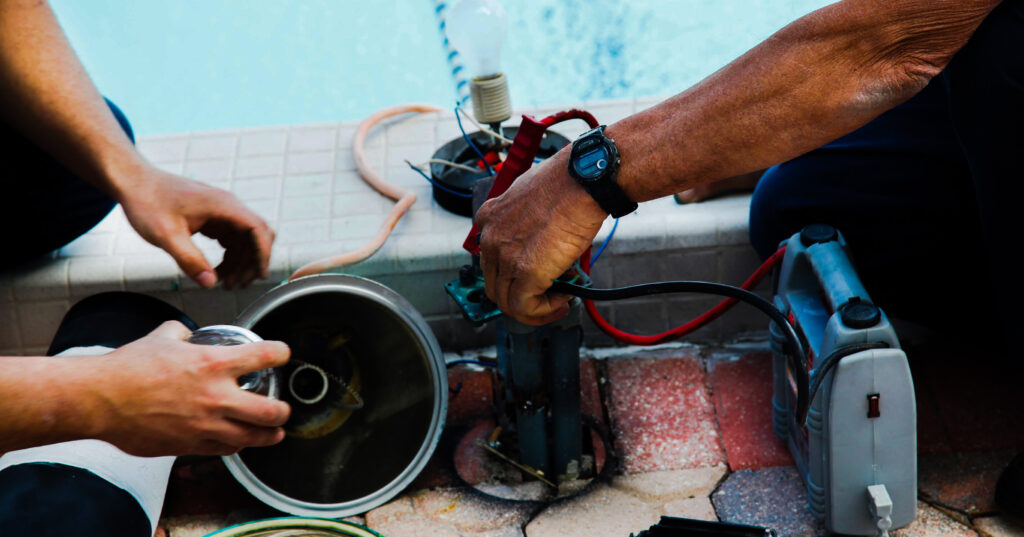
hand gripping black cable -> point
(794, 348)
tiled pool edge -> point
(302, 180)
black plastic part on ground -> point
(685, 527)
(113, 319)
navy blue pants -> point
(46, 205)
(927, 194)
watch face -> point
(591, 163)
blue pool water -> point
(187, 65)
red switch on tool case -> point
(873, 403)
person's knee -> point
(768, 223)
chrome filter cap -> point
(264, 381)
(368, 391)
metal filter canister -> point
(368, 391)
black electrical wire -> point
(795, 350)
(829, 362)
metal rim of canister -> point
(369, 289)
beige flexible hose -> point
(404, 198)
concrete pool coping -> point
(302, 179)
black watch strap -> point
(611, 198)
(601, 185)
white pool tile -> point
(10, 330)
(90, 244)
(412, 132)
(304, 140)
(91, 275)
(143, 274)
(305, 207)
(112, 223)
(360, 226)
(38, 322)
(318, 184)
(303, 231)
(212, 147)
(129, 243)
(259, 166)
(257, 189)
(300, 163)
(44, 280)
(270, 142)
(360, 203)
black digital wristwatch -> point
(594, 163)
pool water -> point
(191, 65)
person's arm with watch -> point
(819, 78)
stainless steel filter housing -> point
(368, 389)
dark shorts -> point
(46, 205)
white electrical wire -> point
(482, 128)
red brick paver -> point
(662, 413)
(743, 401)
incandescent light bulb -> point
(477, 30)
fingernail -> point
(206, 278)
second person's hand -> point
(167, 209)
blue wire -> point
(607, 239)
(438, 185)
(470, 142)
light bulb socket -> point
(491, 100)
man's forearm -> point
(46, 94)
(819, 78)
(45, 400)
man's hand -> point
(167, 210)
(161, 395)
(531, 235)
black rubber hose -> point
(796, 353)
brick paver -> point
(999, 526)
(931, 522)
(661, 413)
(605, 512)
(963, 481)
(770, 497)
(661, 487)
(743, 400)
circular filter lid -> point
(368, 391)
